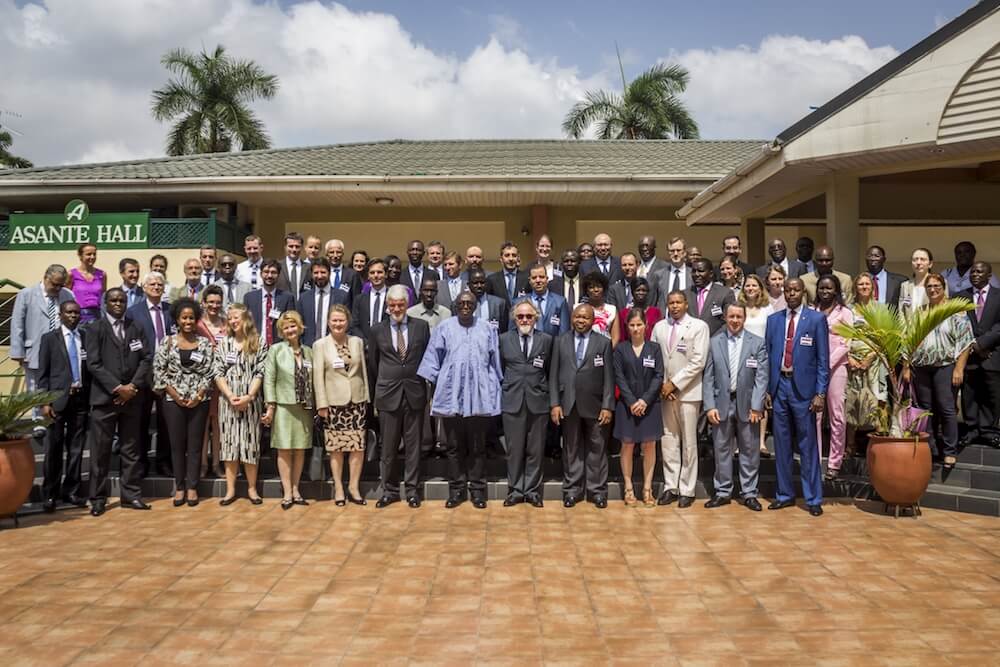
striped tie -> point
(53, 313)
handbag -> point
(316, 469)
(915, 419)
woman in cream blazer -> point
(340, 381)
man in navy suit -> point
(268, 303)
(553, 317)
(314, 304)
(798, 338)
(508, 283)
(603, 261)
(343, 278)
(415, 272)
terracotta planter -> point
(900, 468)
(17, 474)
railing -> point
(6, 315)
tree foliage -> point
(7, 159)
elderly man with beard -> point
(463, 363)
(525, 354)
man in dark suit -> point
(268, 303)
(293, 276)
(525, 354)
(582, 397)
(707, 300)
(415, 272)
(735, 383)
(192, 285)
(452, 283)
(62, 368)
(731, 247)
(603, 260)
(553, 314)
(779, 257)
(119, 358)
(508, 283)
(370, 307)
(152, 315)
(128, 269)
(396, 347)
(886, 283)
(570, 284)
(649, 263)
(342, 277)
(981, 390)
(314, 304)
(489, 308)
(797, 338)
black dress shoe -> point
(815, 510)
(75, 501)
(718, 501)
(49, 506)
(193, 502)
(98, 508)
(510, 501)
(438, 451)
(569, 502)
(535, 501)
(600, 502)
(685, 501)
(137, 505)
(667, 497)
(413, 502)
(781, 504)
(385, 501)
(752, 504)
(454, 501)
(226, 502)
(479, 503)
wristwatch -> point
(823, 396)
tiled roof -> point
(494, 158)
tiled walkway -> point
(326, 585)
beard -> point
(525, 329)
(397, 318)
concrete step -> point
(974, 501)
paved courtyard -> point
(326, 585)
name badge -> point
(716, 310)
(806, 340)
(338, 363)
(598, 360)
(274, 314)
(306, 363)
(494, 324)
(907, 301)
(344, 287)
(554, 320)
(135, 345)
(751, 362)
(173, 329)
(197, 356)
(231, 358)
(219, 337)
(682, 347)
(83, 354)
(538, 362)
(858, 320)
(648, 362)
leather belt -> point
(786, 374)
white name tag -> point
(806, 340)
(648, 362)
(751, 362)
(554, 320)
(173, 329)
(598, 360)
(538, 362)
(716, 310)
(219, 337)
(344, 287)
(83, 354)
(306, 363)
(682, 347)
(907, 301)
(556, 272)
(337, 363)
(231, 358)
(274, 314)
(494, 324)
(197, 356)
(135, 345)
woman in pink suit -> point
(831, 304)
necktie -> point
(673, 336)
(377, 311)
(541, 311)
(321, 314)
(400, 343)
(510, 286)
(253, 275)
(581, 342)
(74, 358)
(734, 363)
(416, 278)
(119, 330)
(207, 278)
(642, 270)
(53, 314)
(158, 323)
(786, 361)
(192, 291)
(875, 289)
(336, 278)
(295, 279)
(980, 303)
(675, 283)
(701, 299)
(229, 292)
(268, 326)
(453, 286)
(604, 267)
(628, 294)
(571, 295)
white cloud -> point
(507, 30)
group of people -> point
(309, 351)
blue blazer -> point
(810, 363)
(139, 313)
(555, 319)
(254, 302)
(307, 309)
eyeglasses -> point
(932, 286)
(522, 316)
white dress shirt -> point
(72, 339)
(249, 272)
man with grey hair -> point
(342, 277)
(36, 312)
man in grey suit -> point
(525, 355)
(36, 312)
(582, 397)
(233, 290)
(735, 382)
(707, 300)
(779, 257)
(452, 283)
(649, 263)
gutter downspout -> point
(742, 170)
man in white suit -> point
(683, 341)
(735, 384)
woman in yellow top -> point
(340, 380)
(288, 393)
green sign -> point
(76, 225)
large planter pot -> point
(900, 468)
(17, 474)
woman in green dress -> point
(288, 392)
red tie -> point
(786, 362)
(269, 335)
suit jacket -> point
(444, 293)
(496, 284)
(684, 363)
(614, 268)
(525, 380)
(558, 286)
(177, 293)
(240, 290)
(396, 379)
(349, 277)
(795, 269)
(499, 312)
(811, 362)
(139, 313)
(279, 375)
(284, 279)
(590, 388)
(30, 321)
(810, 279)
(636, 378)
(751, 376)
(893, 284)
(713, 311)
(657, 266)
(555, 319)
(407, 279)
(255, 304)
(54, 371)
(361, 324)
(986, 331)
(618, 297)
(306, 307)
(334, 381)
(113, 362)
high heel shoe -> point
(356, 501)
(630, 497)
(286, 504)
(647, 497)
(179, 501)
(339, 503)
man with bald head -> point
(582, 397)
(473, 260)
(823, 259)
(778, 254)
(342, 276)
(603, 260)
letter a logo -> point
(76, 211)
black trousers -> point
(67, 435)
(981, 403)
(406, 424)
(187, 431)
(105, 420)
(936, 393)
(163, 457)
(585, 456)
(465, 448)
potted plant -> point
(17, 460)
(899, 456)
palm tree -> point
(648, 108)
(7, 160)
(209, 102)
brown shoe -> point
(630, 497)
(647, 497)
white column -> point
(843, 230)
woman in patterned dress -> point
(239, 376)
(867, 389)
(595, 286)
(288, 392)
(340, 379)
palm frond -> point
(595, 106)
(13, 410)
